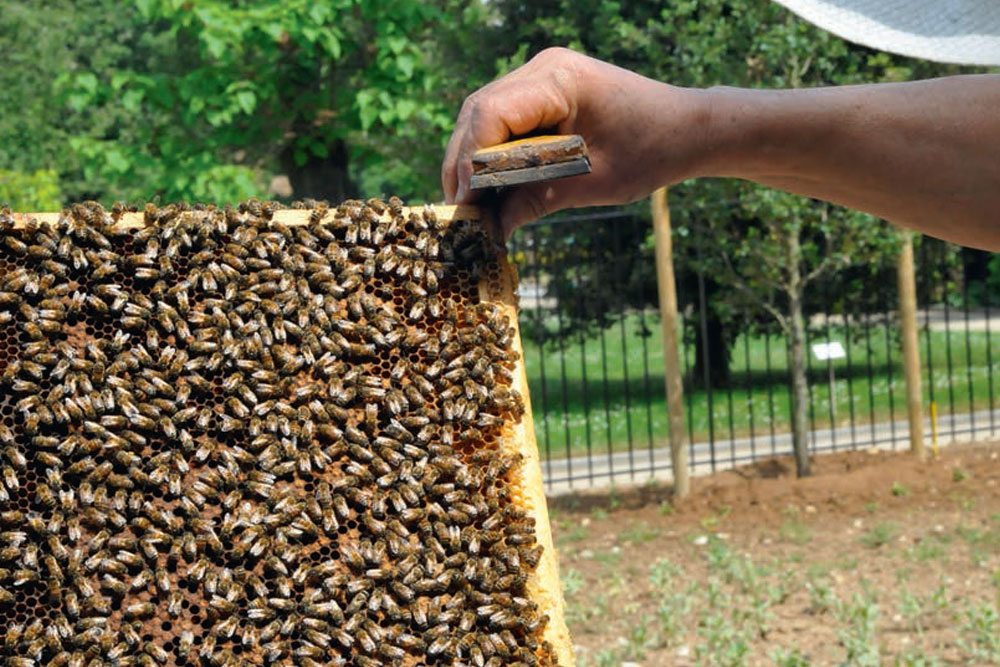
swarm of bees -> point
(226, 441)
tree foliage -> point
(31, 191)
(231, 86)
(41, 40)
(207, 100)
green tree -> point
(229, 92)
(783, 248)
(209, 100)
(34, 191)
(41, 40)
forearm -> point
(924, 154)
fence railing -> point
(594, 357)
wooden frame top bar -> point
(287, 216)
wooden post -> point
(911, 353)
(671, 345)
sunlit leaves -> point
(227, 88)
(36, 191)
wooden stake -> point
(911, 354)
(671, 346)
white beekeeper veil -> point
(950, 31)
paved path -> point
(954, 319)
(574, 474)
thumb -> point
(528, 203)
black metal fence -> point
(594, 355)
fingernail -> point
(463, 191)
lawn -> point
(876, 560)
(606, 392)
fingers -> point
(533, 96)
(528, 203)
(525, 204)
(492, 117)
(449, 166)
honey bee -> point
(185, 643)
(11, 481)
(139, 609)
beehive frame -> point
(496, 286)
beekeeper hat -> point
(950, 31)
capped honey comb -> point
(256, 436)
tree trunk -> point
(797, 355)
(715, 341)
(321, 178)
(800, 396)
(718, 353)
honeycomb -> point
(226, 439)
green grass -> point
(599, 393)
(927, 549)
(794, 531)
(879, 536)
(639, 533)
(567, 535)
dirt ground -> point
(877, 559)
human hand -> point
(639, 133)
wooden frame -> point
(544, 584)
